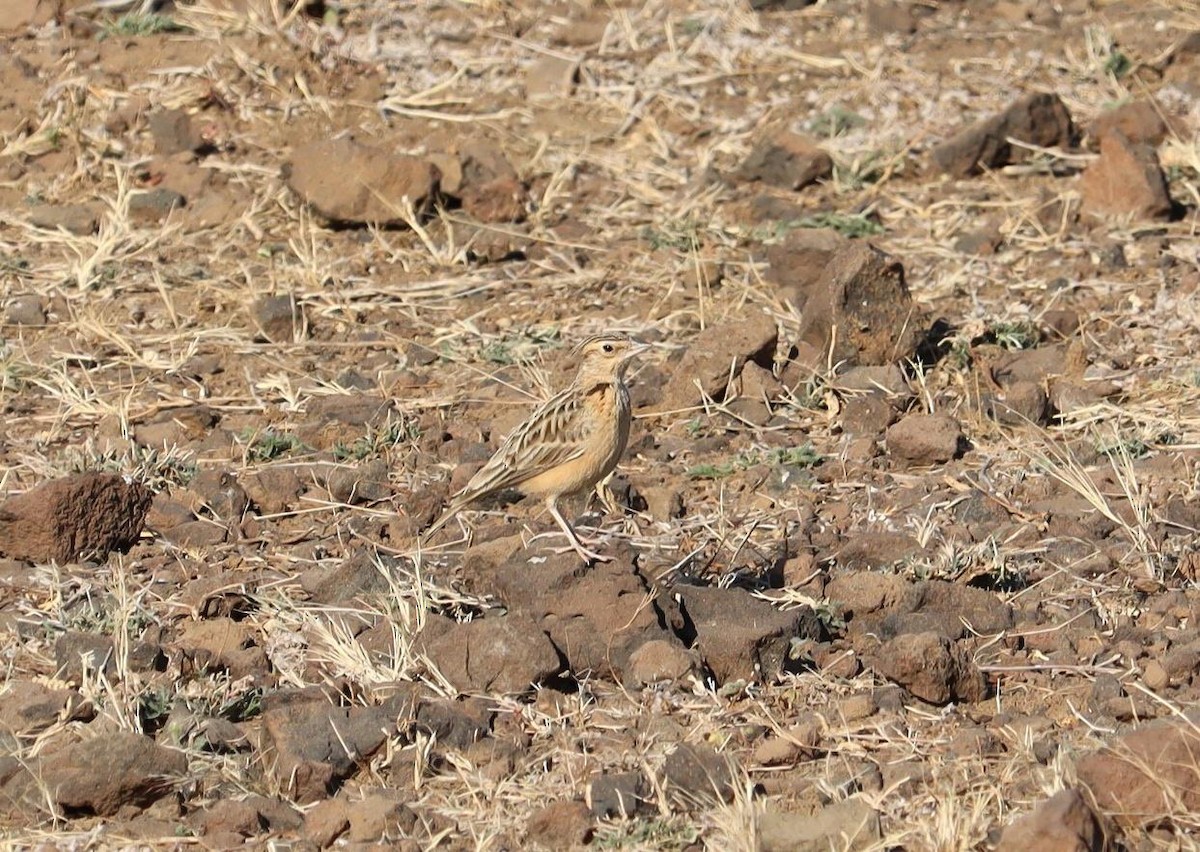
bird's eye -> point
(607, 347)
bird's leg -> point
(576, 544)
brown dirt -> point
(905, 541)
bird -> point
(570, 443)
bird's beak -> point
(638, 349)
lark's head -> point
(604, 357)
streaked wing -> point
(553, 435)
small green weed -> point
(681, 236)
(134, 24)
(803, 456)
(269, 444)
(1016, 334)
(853, 225)
(378, 440)
(519, 347)
(1117, 65)
(835, 121)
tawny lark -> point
(570, 443)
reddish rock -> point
(1126, 181)
(28, 707)
(118, 771)
(931, 667)
(347, 181)
(1062, 823)
(499, 655)
(1040, 119)
(786, 160)
(1138, 121)
(596, 618)
(1151, 771)
(716, 356)
(88, 514)
(861, 309)
(924, 439)
(797, 263)
(560, 825)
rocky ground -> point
(904, 544)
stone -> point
(1138, 121)
(174, 132)
(347, 181)
(25, 310)
(742, 637)
(1126, 181)
(697, 776)
(27, 707)
(1040, 119)
(87, 514)
(102, 776)
(925, 439)
(797, 263)
(1062, 823)
(506, 655)
(79, 219)
(618, 794)
(560, 825)
(596, 618)
(931, 667)
(279, 319)
(154, 205)
(786, 160)
(77, 653)
(716, 357)
(660, 661)
(861, 312)
(551, 77)
(1148, 772)
(848, 825)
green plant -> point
(1016, 334)
(1116, 447)
(378, 440)
(835, 121)
(851, 225)
(269, 444)
(136, 24)
(681, 236)
(803, 456)
(518, 347)
(1117, 65)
